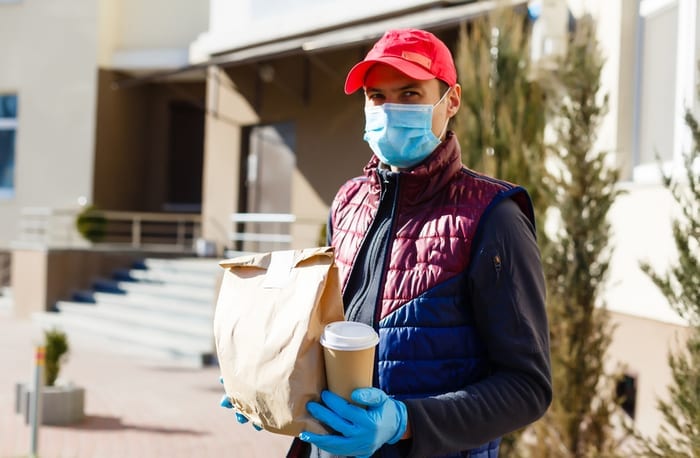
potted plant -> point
(61, 403)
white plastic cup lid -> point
(349, 335)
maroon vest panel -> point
(440, 204)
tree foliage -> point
(584, 410)
(502, 118)
(680, 437)
(501, 126)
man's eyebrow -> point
(402, 88)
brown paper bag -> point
(270, 314)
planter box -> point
(60, 405)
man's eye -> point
(375, 96)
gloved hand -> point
(362, 431)
(226, 402)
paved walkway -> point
(134, 408)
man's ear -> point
(454, 100)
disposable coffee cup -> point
(348, 350)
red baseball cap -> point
(416, 53)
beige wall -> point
(109, 27)
(227, 113)
(641, 231)
(640, 346)
(137, 26)
(48, 59)
(161, 23)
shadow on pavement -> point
(97, 422)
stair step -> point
(184, 327)
(159, 304)
(123, 275)
(139, 264)
(208, 280)
(174, 291)
(158, 307)
(203, 266)
(122, 339)
(105, 285)
(85, 296)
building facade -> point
(72, 139)
(226, 106)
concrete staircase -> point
(160, 309)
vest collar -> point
(425, 179)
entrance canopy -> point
(350, 35)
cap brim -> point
(356, 76)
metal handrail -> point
(263, 217)
(266, 231)
(271, 230)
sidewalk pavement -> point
(134, 408)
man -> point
(443, 263)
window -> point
(626, 392)
(665, 84)
(658, 86)
(8, 131)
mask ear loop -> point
(443, 97)
(444, 128)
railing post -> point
(136, 232)
(181, 233)
(45, 226)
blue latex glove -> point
(226, 403)
(362, 431)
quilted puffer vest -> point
(428, 342)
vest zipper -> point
(387, 254)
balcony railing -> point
(175, 232)
(166, 232)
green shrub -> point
(91, 224)
(56, 349)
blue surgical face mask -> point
(401, 134)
